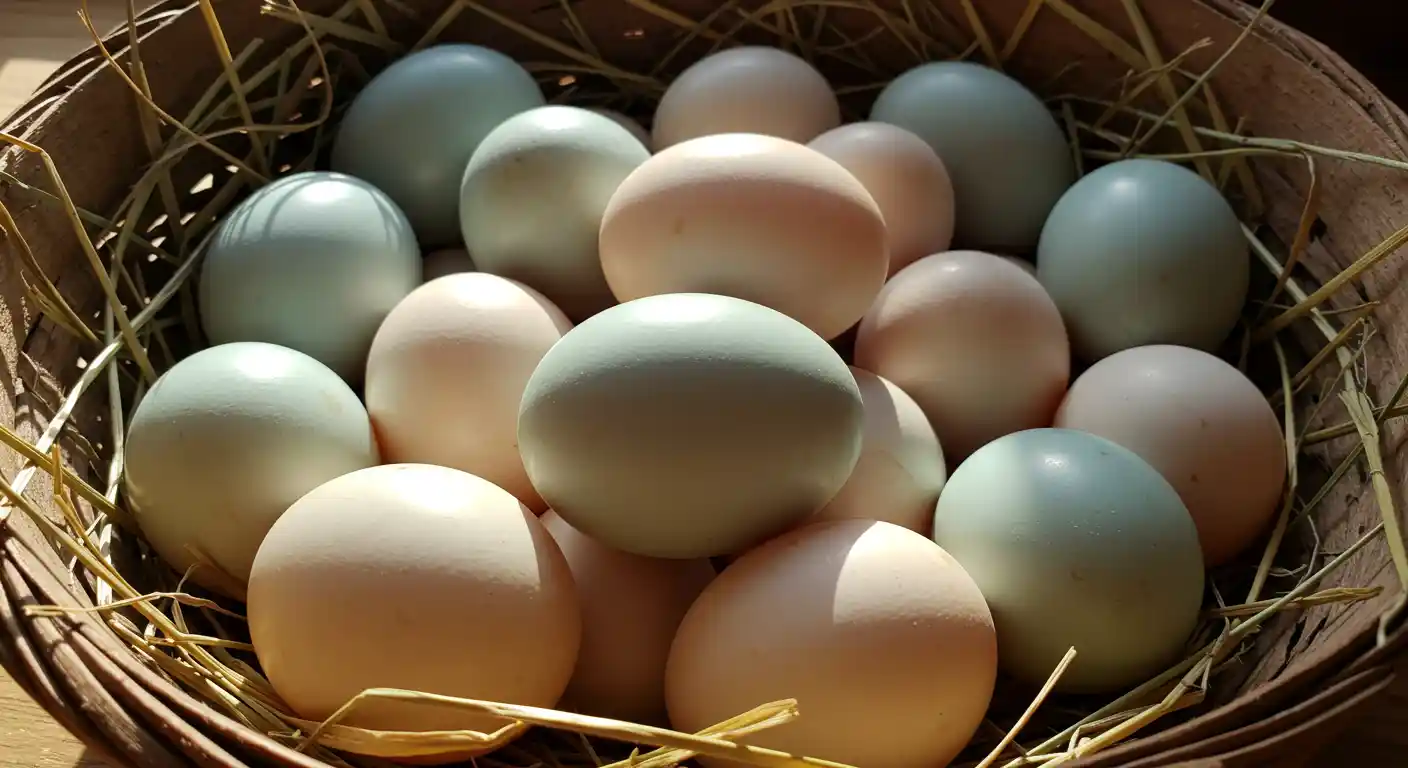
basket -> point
(1322, 195)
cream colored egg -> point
(446, 261)
(880, 636)
(907, 180)
(901, 469)
(748, 89)
(417, 577)
(975, 341)
(225, 441)
(631, 607)
(447, 370)
(1202, 424)
(753, 217)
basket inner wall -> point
(1283, 84)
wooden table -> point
(38, 35)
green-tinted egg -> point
(1075, 541)
(689, 425)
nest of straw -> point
(272, 112)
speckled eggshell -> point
(1007, 157)
(417, 577)
(447, 371)
(750, 216)
(312, 261)
(446, 261)
(1075, 541)
(629, 123)
(747, 89)
(975, 341)
(1144, 252)
(1198, 421)
(907, 180)
(689, 425)
(412, 129)
(901, 469)
(631, 607)
(225, 441)
(533, 196)
(881, 637)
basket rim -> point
(87, 676)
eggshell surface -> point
(312, 261)
(1007, 157)
(447, 371)
(1202, 424)
(901, 468)
(1144, 252)
(445, 261)
(689, 425)
(631, 607)
(1075, 541)
(869, 626)
(225, 441)
(418, 577)
(975, 341)
(412, 129)
(749, 216)
(533, 196)
(908, 181)
(627, 122)
(747, 89)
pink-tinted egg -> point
(975, 340)
(1202, 424)
(907, 180)
(752, 217)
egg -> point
(753, 217)
(631, 607)
(1144, 252)
(533, 196)
(412, 129)
(445, 261)
(747, 89)
(225, 441)
(417, 577)
(627, 122)
(901, 468)
(881, 637)
(312, 261)
(447, 370)
(908, 181)
(975, 341)
(1007, 157)
(1199, 422)
(1075, 541)
(689, 425)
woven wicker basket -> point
(1300, 680)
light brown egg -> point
(880, 636)
(1202, 424)
(631, 606)
(901, 469)
(447, 370)
(418, 577)
(907, 180)
(752, 217)
(975, 340)
(446, 261)
(748, 89)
